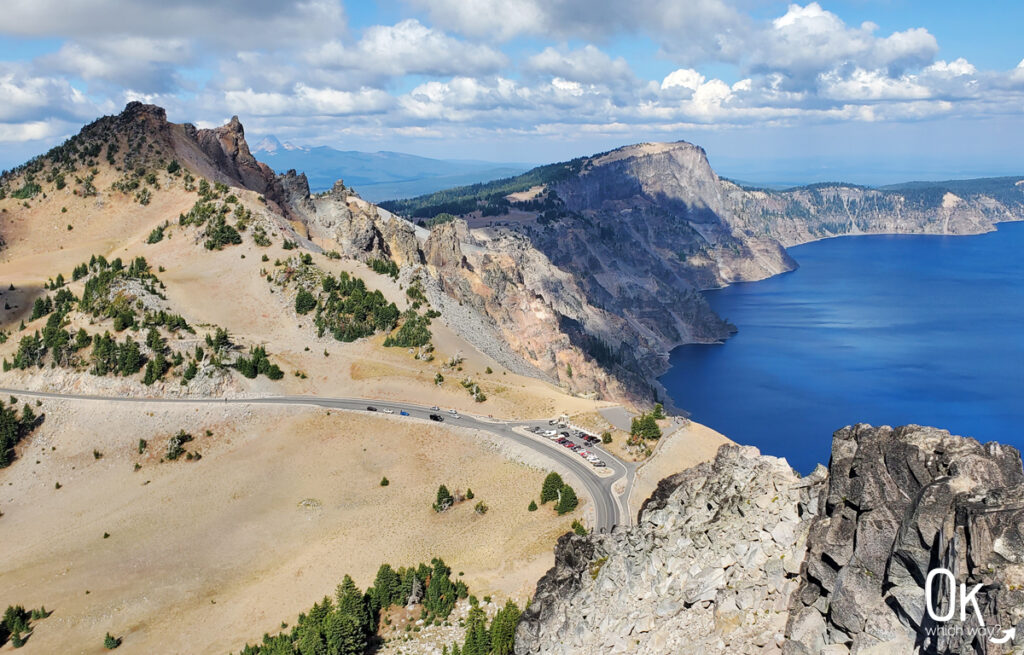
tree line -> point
(348, 623)
(14, 428)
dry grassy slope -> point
(221, 288)
(205, 555)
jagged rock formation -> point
(899, 503)
(443, 248)
(741, 555)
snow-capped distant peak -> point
(268, 144)
(271, 145)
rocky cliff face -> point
(827, 210)
(742, 555)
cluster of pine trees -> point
(14, 428)
(498, 639)
(348, 310)
(347, 624)
(32, 348)
(258, 364)
(415, 331)
(109, 356)
(554, 489)
(219, 234)
(16, 625)
(384, 267)
(645, 426)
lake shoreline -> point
(862, 260)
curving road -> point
(609, 508)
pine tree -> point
(503, 629)
(344, 636)
(533, 506)
(478, 641)
(441, 594)
(567, 501)
(549, 491)
(155, 341)
(351, 604)
(305, 302)
(444, 499)
(659, 411)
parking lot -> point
(583, 444)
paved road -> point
(609, 510)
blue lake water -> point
(873, 329)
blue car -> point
(403, 413)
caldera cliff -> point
(742, 555)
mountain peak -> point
(646, 149)
(269, 144)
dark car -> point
(371, 408)
(437, 417)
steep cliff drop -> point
(741, 555)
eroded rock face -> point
(898, 504)
(442, 248)
(227, 149)
(710, 567)
(741, 555)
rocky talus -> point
(742, 555)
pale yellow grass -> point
(688, 446)
(205, 555)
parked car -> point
(435, 408)
(403, 413)
(437, 417)
(388, 410)
(452, 412)
(371, 408)
(552, 422)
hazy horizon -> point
(863, 91)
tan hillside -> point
(283, 503)
(216, 288)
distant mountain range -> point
(378, 176)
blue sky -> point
(869, 91)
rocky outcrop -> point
(741, 555)
(227, 150)
(898, 504)
(442, 248)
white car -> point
(550, 433)
(435, 408)
(453, 412)
(388, 410)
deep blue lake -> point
(874, 329)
